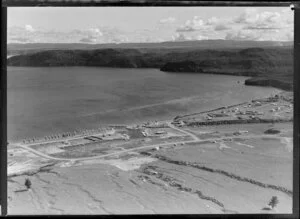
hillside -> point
(271, 66)
(17, 48)
(267, 67)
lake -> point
(49, 100)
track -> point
(195, 140)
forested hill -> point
(18, 48)
(271, 66)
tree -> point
(273, 202)
(28, 183)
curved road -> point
(28, 148)
(138, 148)
(183, 131)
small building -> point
(179, 123)
(250, 112)
(220, 115)
(257, 103)
(160, 132)
(236, 133)
(209, 118)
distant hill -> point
(15, 48)
(272, 66)
(267, 67)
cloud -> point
(251, 24)
(101, 34)
(191, 36)
(265, 25)
(201, 37)
(87, 40)
(91, 35)
(29, 28)
(251, 19)
(186, 29)
(261, 27)
(212, 21)
(180, 37)
(167, 20)
(94, 32)
(19, 40)
(195, 24)
(28, 34)
(242, 35)
(220, 27)
(210, 24)
(248, 16)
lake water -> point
(50, 100)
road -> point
(28, 148)
(183, 131)
(195, 140)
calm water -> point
(42, 101)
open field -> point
(191, 164)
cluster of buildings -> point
(237, 112)
(158, 132)
(178, 123)
(69, 134)
(154, 124)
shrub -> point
(272, 131)
(273, 202)
(28, 183)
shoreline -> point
(158, 158)
(250, 81)
(107, 127)
(266, 66)
(161, 110)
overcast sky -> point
(147, 24)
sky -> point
(147, 24)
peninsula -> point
(267, 66)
